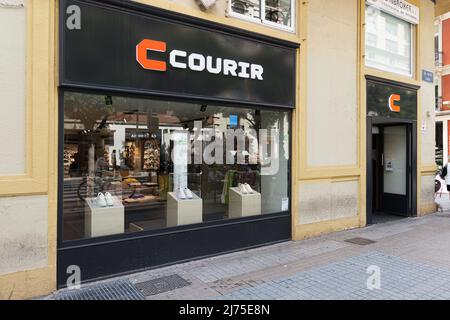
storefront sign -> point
(391, 101)
(131, 51)
(399, 8)
(195, 62)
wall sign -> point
(394, 100)
(427, 76)
(391, 101)
(131, 51)
(389, 166)
(399, 8)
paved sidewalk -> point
(412, 255)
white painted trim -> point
(445, 139)
(445, 16)
(445, 71)
(412, 16)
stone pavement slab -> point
(411, 255)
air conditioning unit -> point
(206, 4)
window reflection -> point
(388, 42)
(274, 11)
(279, 11)
(162, 164)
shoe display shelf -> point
(103, 221)
(183, 211)
(243, 205)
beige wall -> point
(12, 89)
(24, 242)
(27, 151)
(327, 204)
(427, 89)
(219, 9)
(427, 104)
(327, 200)
(332, 83)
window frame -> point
(262, 20)
(412, 73)
(129, 236)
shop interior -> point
(134, 164)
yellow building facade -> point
(329, 134)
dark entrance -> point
(391, 151)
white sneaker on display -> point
(180, 194)
(188, 193)
(249, 189)
(242, 189)
(109, 199)
(101, 201)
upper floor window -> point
(389, 42)
(278, 13)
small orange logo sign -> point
(392, 100)
(150, 45)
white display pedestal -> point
(102, 221)
(182, 212)
(243, 205)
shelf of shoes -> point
(183, 211)
(151, 155)
(244, 202)
(69, 152)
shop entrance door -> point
(395, 171)
(390, 171)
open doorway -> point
(391, 170)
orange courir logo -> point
(150, 45)
(392, 100)
(196, 62)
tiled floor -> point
(411, 255)
(347, 279)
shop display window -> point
(134, 164)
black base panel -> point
(103, 260)
(395, 204)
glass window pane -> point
(250, 8)
(279, 11)
(163, 164)
(388, 42)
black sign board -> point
(116, 48)
(391, 101)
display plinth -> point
(243, 205)
(103, 221)
(183, 212)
